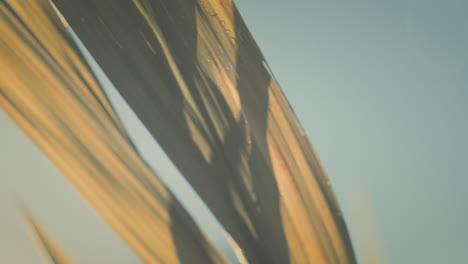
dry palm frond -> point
(194, 75)
(49, 91)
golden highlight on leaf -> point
(194, 75)
(47, 88)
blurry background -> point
(381, 88)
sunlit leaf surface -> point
(49, 91)
(195, 77)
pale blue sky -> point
(381, 88)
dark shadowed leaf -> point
(49, 91)
(194, 75)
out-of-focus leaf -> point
(49, 91)
(194, 75)
(52, 251)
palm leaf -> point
(49, 91)
(194, 75)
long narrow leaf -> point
(49, 91)
(194, 75)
